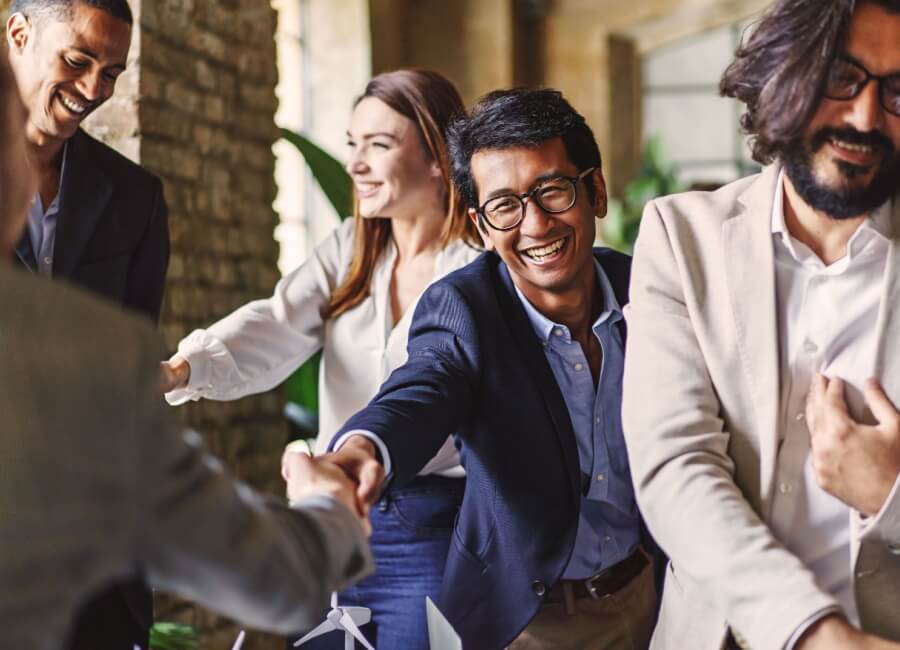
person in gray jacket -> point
(97, 483)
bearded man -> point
(764, 324)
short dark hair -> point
(521, 117)
(779, 73)
(116, 8)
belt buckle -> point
(591, 587)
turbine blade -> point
(350, 625)
(322, 628)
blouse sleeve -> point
(256, 347)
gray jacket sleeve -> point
(204, 536)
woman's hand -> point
(174, 373)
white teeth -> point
(853, 147)
(72, 106)
(541, 252)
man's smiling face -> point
(548, 255)
(849, 159)
(66, 65)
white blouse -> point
(259, 345)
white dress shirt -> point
(256, 347)
(826, 324)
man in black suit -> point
(98, 220)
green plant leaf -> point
(655, 178)
(302, 387)
(173, 636)
(328, 172)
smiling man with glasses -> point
(765, 324)
(520, 355)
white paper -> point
(441, 635)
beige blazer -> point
(98, 483)
(700, 410)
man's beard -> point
(843, 201)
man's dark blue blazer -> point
(477, 369)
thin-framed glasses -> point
(554, 195)
(848, 78)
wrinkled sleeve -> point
(259, 345)
(204, 536)
(437, 385)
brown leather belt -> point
(604, 583)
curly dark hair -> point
(116, 8)
(780, 71)
(521, 117)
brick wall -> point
(196, 108)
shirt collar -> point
(544, 327)
(877, 225)
(37, 206)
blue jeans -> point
(411, 529)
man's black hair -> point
(521, 117)
(63, 8)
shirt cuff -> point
(197, 358)
(885, 525)
(805, 625)
(379, 444)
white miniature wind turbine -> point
(347, 619)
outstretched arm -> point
(422, 402)
(211, 539)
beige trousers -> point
(621, 621)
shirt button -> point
(597, 420)
(538, 587)
(578, 366)
(600, 477)
(810, 347)
(800, 417)
(47, 260)
(557, 332)
(785, 488)
(606, 540)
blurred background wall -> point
(210, 81)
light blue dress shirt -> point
(609, 523)
(42, 225)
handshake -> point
(351, 475)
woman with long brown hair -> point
(353, 299)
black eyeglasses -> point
(555, 195)
(847, 78)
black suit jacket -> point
(477, 368)
(112, 233)
(112, 238)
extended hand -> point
(854, 462)
(307, 476)
(175, 373)
(359, 461)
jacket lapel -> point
(83, 196)
(887, 358)
(25, 253)
(750, 272)
(539, 370)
